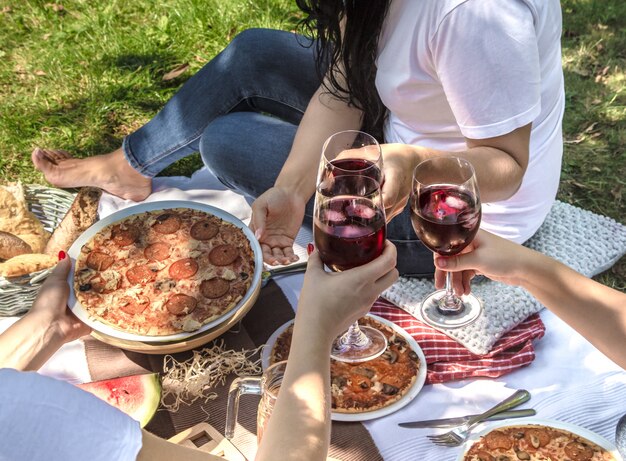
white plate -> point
(74, 251)
(366, 415)
(582, 432)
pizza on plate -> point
(535, 443)
(366, 386)
(163, 272)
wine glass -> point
(349, 225)
(445, 213)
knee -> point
(253, 46)
(218, 146)
(251, 37)
(246, 150)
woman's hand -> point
(50, 306)
(492, 256)
(33, 339)
(276, 219)
(331, 301)
(399, 161)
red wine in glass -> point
(349, 224)
(349, 232)
(446, 218)
(352, 166)
(446, 213)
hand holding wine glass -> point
(445, 213)
(349, 223)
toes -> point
(57, 155)
(39, 158)
(63, 154)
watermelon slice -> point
(138, 396)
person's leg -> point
(246, 151)
(261, 70)
(110, 172)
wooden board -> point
(205, 437)
(186, 344)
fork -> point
(283, 270)
(457, 436)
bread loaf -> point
(26, 264)
(81, 215)
(11, 245)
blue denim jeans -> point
(241, 112)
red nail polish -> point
(61, 255)
(309, 248)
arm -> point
(277, 214)
(304, 398)
(594, 310)
(32, 340)
(500, 164)
(324, 116)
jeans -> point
(241, 112)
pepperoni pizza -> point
(163, 272)
(366, 386)
(535, 443)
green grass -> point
(594, 163)
(80, 75)
(83, 76)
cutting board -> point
(206, 438)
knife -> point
(452, 422)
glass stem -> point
(450, 304)
(355, 337)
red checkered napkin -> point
(449, 361)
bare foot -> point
(110, 172)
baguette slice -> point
(81, 215)
(26, 264)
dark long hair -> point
(356, 51)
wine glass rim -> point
(375, 145)
(445, 158)
(375, 188)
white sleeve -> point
(42, 418)
(486, 57)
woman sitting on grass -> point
(478, 78)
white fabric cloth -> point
(455, 69)
(46, 419)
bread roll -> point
(81, 215)
(17, 220)
(26, 264)
(10, 246)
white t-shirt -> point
(455, 69)
(45, 419)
